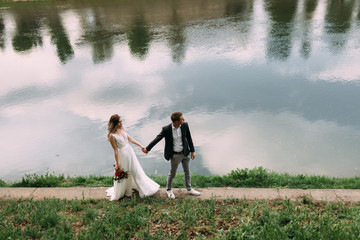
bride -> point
(126, 160)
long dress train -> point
(136, 179)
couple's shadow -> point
(135, 195)
(160, 194)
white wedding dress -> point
(137, 179)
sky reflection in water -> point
(261, 83)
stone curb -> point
(331, 195)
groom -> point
(178, 146)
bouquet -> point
(120, 174)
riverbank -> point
(83, 212)
(245, 178)
(182, 218)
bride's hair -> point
(113, 124)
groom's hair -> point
(176, 116)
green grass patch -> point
(190, 218)
(257, 177)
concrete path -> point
(332, 195)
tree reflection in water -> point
(99, 35)
(109, 23)
(307, 15)
(28, 29)
(281, 14)
(177, 39)
(2, 33)
(59, 37)
(338, 22)
(139, 37)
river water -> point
(272, 83)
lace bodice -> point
(121, 140)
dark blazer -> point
(166, 133)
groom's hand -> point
(193, 155)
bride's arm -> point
(116, 152)
(134, 141)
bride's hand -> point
(116, 167)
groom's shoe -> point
(193, 192)
(170, 194)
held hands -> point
(192, 155)
(144, 150)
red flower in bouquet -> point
(120, 174)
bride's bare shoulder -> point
(111, 137)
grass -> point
(190, 218)
(257, 177)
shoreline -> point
(258, 177)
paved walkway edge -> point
(331, 195)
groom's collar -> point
(172, 126)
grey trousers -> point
(175, 161)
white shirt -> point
(176, 132)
